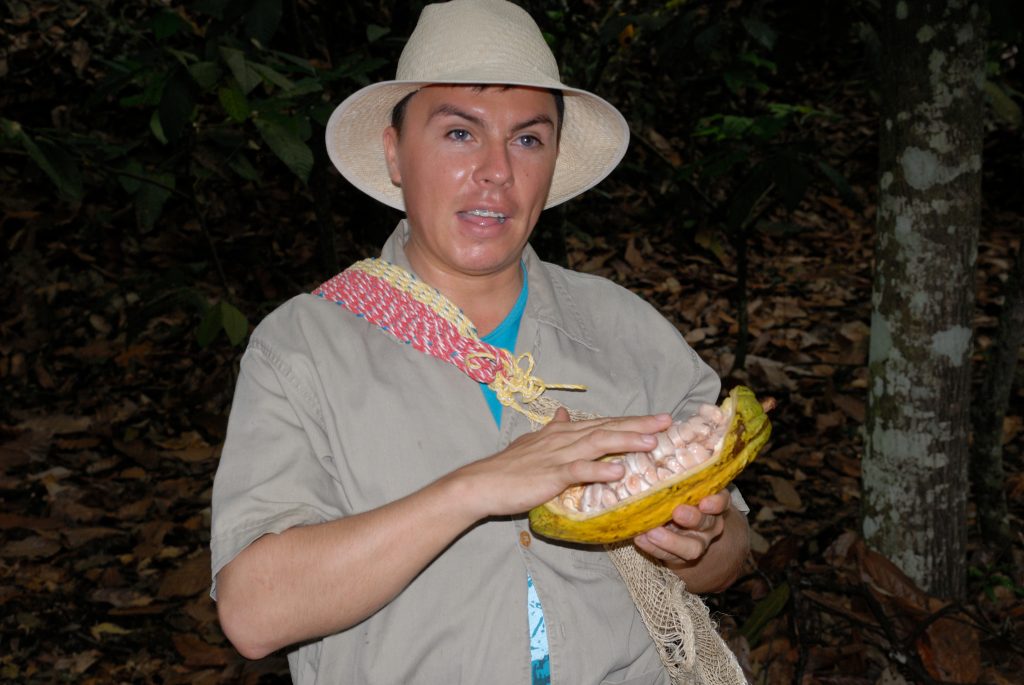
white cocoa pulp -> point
(683, 446)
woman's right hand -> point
(537, 466)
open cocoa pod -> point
(694, 458)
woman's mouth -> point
(485, 214)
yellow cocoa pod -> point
(747, 432)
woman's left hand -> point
(705, 545)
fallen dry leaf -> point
(785, 493)
(188, 579)
(853, 407)
(200, 653)
(100, 630)
(79, 663)
(951, 651)
(34, 547)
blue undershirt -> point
(504, 336)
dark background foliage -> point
(165, 186)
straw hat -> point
(475, 42)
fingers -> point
(583, 471)
(668, 545)
(561, 416)
(592, 439)
(693, 519)
(538, 465)
(716, 503)
(638, 424)
(690, 532)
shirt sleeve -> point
(271, 474)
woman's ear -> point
(390, 140)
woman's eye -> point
(459, 134)
(530, 141)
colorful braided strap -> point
(399, 303)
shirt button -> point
(524, 538)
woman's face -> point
(475, 166)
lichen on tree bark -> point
(915, 466)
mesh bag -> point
(679, 623)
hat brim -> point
(594, 137)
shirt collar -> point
(550, 301)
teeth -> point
(488, 213)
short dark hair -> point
(398, 111)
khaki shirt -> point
(333, 417)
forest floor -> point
(109, 439)
(112, 418)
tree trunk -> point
(989, 410)
(915, 465)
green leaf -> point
(51, 159)
(374, 32)
(262, 20)
(710, 241)
(151, 198)
(303, 87)
(241, 165)
(1002, 104)
(321, 112)
(269, 75)
(767, 609)
(166, 24)
(184, 57)
(234, 103)
(213, 8)
(288, 147)
(745, 198)
(767, 128)
(723, 127)
(247, 77)
(300, 64)
(707, 41)
(205, 74)
(222, 317)
(210, 325)
(353, 67)
(717, 165)
(176, 105)
(297, 124)
(756, 60)
(155, 128)
(235, 324)
(129, 181)
(760, 31)
(739, 79)
(60, 167)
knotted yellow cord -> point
(514, 380)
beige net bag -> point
(679, 622)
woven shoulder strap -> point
(399, 303)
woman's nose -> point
(494, 166)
